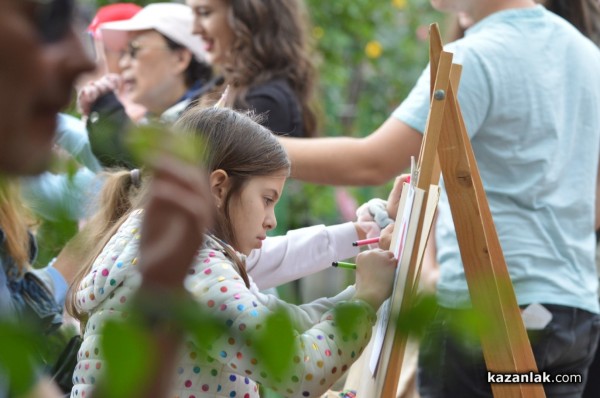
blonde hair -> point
(15, 220)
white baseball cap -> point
(173, 20)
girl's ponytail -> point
(115, 199)
(122, 192)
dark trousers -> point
(452, 365)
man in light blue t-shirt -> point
(530, 97)
(530, 92)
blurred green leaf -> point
(465, 324)
(55, 343)
(146, 141)
(204, 328)
(346, 315)
(416, 320)
(52, 236)
(130, 354)
(274, 344)
(471, 325)
(18, 355)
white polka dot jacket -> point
(230, 366)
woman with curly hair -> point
(261, 49)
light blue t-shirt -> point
(530, 97)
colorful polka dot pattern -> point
(103, 294)
(229, 368)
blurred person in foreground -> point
(46, 57)
(35, 84)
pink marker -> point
(365, 242)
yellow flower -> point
(318, 32)
(400, 4)
(373, 49)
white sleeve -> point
(300, 252)
(307, 315)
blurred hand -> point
(385, 238)
(363, 213)
(394, 197)
(367, 229)
(374, 210)
(375, 271)
(178, 212)
(95, 89)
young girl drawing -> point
(247, 170)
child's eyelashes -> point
(202, 12)
(269, 201)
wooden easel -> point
(505, 343)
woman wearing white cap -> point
(163, 68)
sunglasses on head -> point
(53, 18)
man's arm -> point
(372, 160)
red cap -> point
(112, 13)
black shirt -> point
(279, 106)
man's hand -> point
(178, 212)
(394, 197)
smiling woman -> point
(261, 49)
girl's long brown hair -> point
(271, 41)
(243, 149)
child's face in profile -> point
(253, 211)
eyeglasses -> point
(53, 18)
(133, 48)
